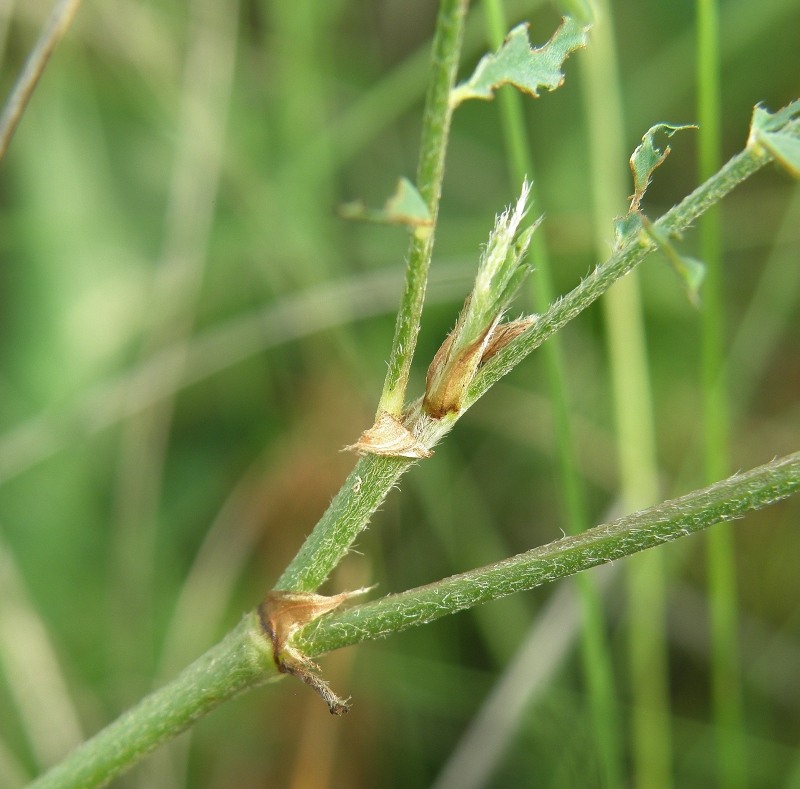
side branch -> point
(668, 521)
(625, 258)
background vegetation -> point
(190, 333)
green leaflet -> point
(644, 160)
(404, 207)
(518, 63)
(779, 133)
(647, 157)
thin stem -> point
(595, 653)
(633, 413)
(240, 661)
(59, 20)
(727, 687)
(629, 255)
(347, 516)
(433, 145)
(724, 501)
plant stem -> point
(724, 501)
(647, 674)
(627, 256)
(57, 23)
(595, 653)
(244, 658)
(722, 595)
(348, 514)
(430, 172)
(240, 661)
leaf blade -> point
(520, 64)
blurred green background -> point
(189, 334)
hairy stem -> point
(629, 255)
(668, 521)
(350, 510)
(373, 477)
(430, 172)
(240, 661)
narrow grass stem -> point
(59, 20)
(727, 684)
(724, 501)
(595, 653)
(430, 173)
(647, 672)
(240, 661)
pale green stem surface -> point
(722, 593)
(724, 501)
(347, 516)
(595, 653)
(633, 414)
(430, 173)
(240, 661)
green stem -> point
(433, 145)
(647, 673)
(57, 24)
(240, 661)
(347, 516)
(595, 652)
(727, 688)
(724, 501)
(629, 255)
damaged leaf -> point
(518, 63)
(647, 157)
